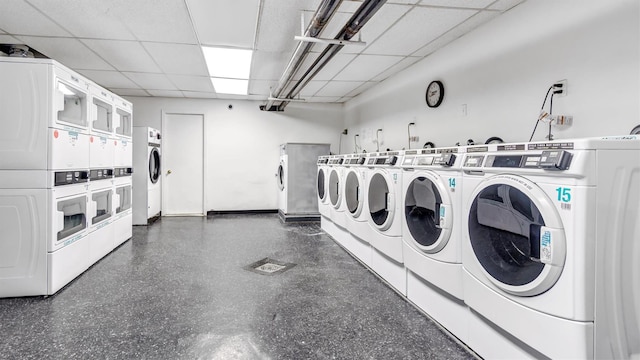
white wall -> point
(502, 71)
(242, 145)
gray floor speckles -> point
(178, 290)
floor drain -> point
(268, 266)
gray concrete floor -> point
(179, 290)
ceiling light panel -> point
(419, 27)
(230, 86)
(21, 18)
(88, 18)
(178, 58)
(365, 67)
(69, 52)
(124, 55)
(228, 63)
(225, 22)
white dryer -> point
(431, 231)
(100, 216)
(355, 202)
(102, 141)
(122, 205)
(123, 131)
(384, 202)
(45, 119)
(336, 192)
(147, 194)
(548, 248)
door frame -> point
(204, 160)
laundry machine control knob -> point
(393, 160)
(362, 160)
(340, 161)
(448, 159)
(555, 160)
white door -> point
(183, 165)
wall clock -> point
(435, 93)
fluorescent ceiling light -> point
(230, 86)
(228, 63)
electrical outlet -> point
(560, 88)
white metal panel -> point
(178, 58)
(124, 55)
(225, 22)
(418, 27)
(365, 67)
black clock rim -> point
(441, 86)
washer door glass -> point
(352, 192)
(321, 185)
(378, 199)
(280, 176)
(504, 230)
(154, 165)
(334, 187)
(422, 211)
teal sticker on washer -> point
(545, 246)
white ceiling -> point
(152, 48)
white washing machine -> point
(122, 206)
(100, 218)
(431, 231)
(44, 122)
(548, 249)
(147, 194)
(43, 217)
(322, 182)
(336, 192)
(384, 201)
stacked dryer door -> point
(296, 178)
(147, 195)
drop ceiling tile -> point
(383, 19)
(261, 86)
(89, 18)
(338, 88)
(334, 26)
(267, 65)
(323, 99)
(278, 24)
(419, 27)
(312, 88)
(109, 79)
(311, 5)
(473, 22)
(151, 81)
(129, 92)
(225, 22)
(401, 65)
(192, 83)
(124, 55)
(504, 5)
(69, 52)
(160, 21)
(474, 4)
(410, 2)
(7, 39)
(362, 88)
(365, 67)
(334, 66)
(2, 32)
(166, 93)
(18, 17)
(180, 59)
(199, 95)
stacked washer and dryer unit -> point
(147, 179)
(58, 195)
(520, 250)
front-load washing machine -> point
(43, 217)
(44, 122)
(336, 192)
(147, 192)
(100, 216)
(548, 245)
(384, 201)
(431, 232)
(322, 182)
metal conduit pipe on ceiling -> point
(320, 19)
(364, 13)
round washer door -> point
(334, 188)
(428, 212)
(353, 193)
(322, 187)
(154, 165)
(381, 201)
(516, 234)
(280, 176)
